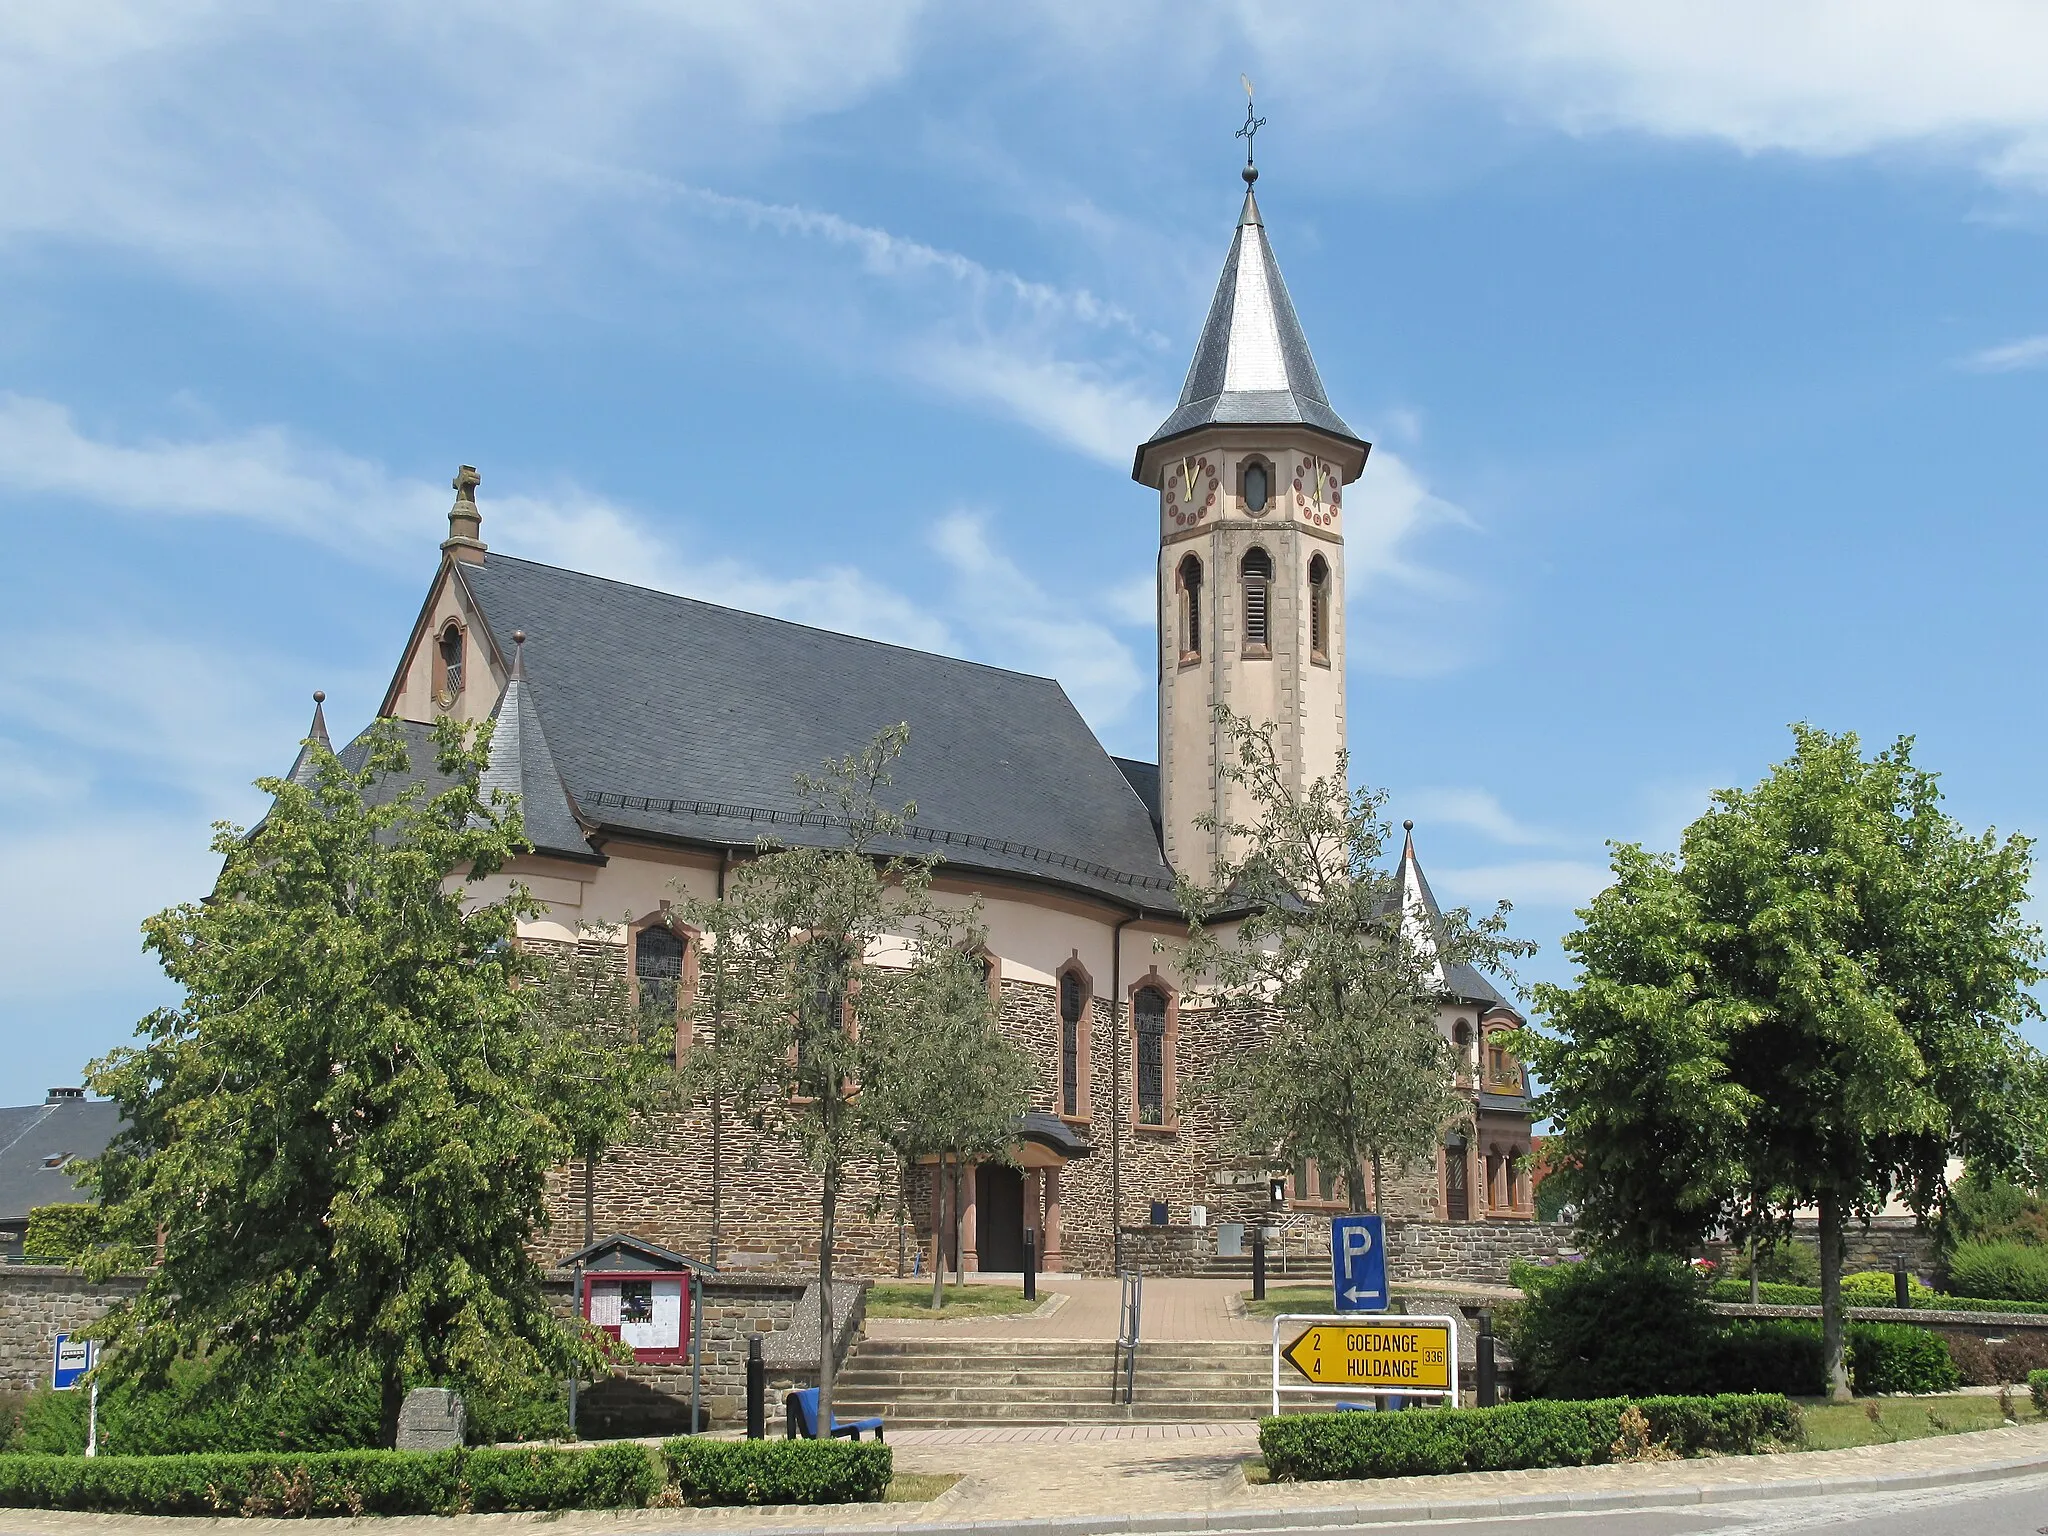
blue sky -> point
(1704, 350)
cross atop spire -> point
(1250, 131)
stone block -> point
(432, 1419)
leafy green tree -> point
(1349, 1068)
(609, 1059)
(946, 1082)
(799, 925)
(1815, 1005)
(338, 1142)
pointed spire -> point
(305, 768)
(1418, 904)
(1252, 366)
(522, 764)
(465, 523)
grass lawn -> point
(1289, 1298)
(913, 1298)
(1880, 1420)
(918, 1487)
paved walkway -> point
(1173, 1310)
(1101, 1487)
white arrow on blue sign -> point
(72, 1360)
(1358, 1263)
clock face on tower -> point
(1318, 491)
(1190, 490)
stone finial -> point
(519, 656)
(465, 523)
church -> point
(653, 739)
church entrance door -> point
(999, 1217)
(1457, 1195)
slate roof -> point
(72, 1128)
(522, 764)
(667, 716)
(1252, 365)
(1458, 979)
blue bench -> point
(1393, 1402)
(801, 1410)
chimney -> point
(63, 1095)
(465, 523)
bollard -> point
(757, 1390)
(1901, 1293)
(1483, 1372)
(1259, 1264)
(1030, 1265)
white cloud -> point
(1385, 513)
(1525, 883)
(1076, 404)
(1017, 623)
(2010, 357)
(1478, 809)
(1134, 602)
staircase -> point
(953, 1383)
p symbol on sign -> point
(1357, 1244)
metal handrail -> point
(1127, 1334)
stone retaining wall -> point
(1472, 1253)
(38, 1302)
(1871, 1247)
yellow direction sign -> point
(1394, 1353)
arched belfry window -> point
(1148, 1012)
(1319, 610)
(1257, 572)
(448, 663)
(658, 971)
(1190, 609)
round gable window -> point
(1257, 488)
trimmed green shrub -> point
(1879, 1288)
(1896, 1357)
(623, 1476)
(778, 1471)
(336, 1483)
(1992, 1209)
(1792, 1262)
(1770, 1355)
(1809, 1296)
(2037, 1388)
(1615, 1328)
(1516, 1435)
(2011, 1271)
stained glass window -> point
(1150, 1008)
(1072, 1001)
(658, 967)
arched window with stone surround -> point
(1319, 610)
(658, 955)
(1149, 1019)
(1190, 597)
(1074, 1011)
(448, 662)
(1257, 572)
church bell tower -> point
(1250, 470)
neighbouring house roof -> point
(1252, 365)
(674, 718)
(41, 1146)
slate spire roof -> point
(1252, 366)
(303, 769)
(1419, 902)
(521, 764)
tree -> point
(339, 1140)
(1816, 1004)
(945, 1082)
(609, 1060)
(806, 1025)
(1350, 1069)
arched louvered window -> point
(658, 971)
(1190, 608)
(1073, 1008)
(1257, 571)
(448, 661)
(1319, 609)
(1148, 1008)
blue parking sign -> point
(72, 1360)
(1358, 1263)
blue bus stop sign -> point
(1358, 1263)
(72, 1360)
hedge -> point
(778, 1471)
(1999, 1269)
(322, 1483)
(1897, 1357)
(1516, 1436)
(1809, 1296)
(2037, 1388)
